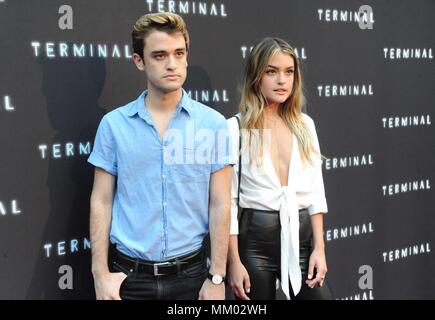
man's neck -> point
(163, 102)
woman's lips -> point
(280, 91)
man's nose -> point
(171, 62)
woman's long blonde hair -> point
(253, 103)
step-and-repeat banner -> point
(369, 76)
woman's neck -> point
(272, 110)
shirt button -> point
(163, 176)
(164, 204)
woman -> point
(279, 233)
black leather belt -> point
(158, 268)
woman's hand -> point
(318, 261)
(239, 280)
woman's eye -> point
(270, 71)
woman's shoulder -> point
(233, 122)
(307, 118)
(309, 121)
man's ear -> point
(138, 61)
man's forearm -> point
(100, 220)
(219, 237)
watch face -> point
(217, 279)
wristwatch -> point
(216, 278)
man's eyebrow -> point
(164, 51)
(158, 52)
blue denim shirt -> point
(161, 200)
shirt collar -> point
(138, 107)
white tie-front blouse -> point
(261, 189)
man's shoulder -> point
(120, 112)
(206, 113)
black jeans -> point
(184, 285)
(259, 249)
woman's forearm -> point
(317, 225)
(233, 250)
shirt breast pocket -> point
(192, 169)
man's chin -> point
(171, 88)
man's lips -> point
(172, 76)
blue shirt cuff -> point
(98, 161)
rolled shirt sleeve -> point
(103, 153)
(317, 196)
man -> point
(158, 190)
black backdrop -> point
(56, 84)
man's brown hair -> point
(167, 22)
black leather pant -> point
(259, 249)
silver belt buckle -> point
(156, 268)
